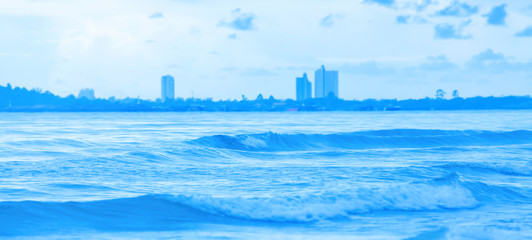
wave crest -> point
(311, 207)
(294, 208)
(397, 138)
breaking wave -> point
(164, 212)
(397, 138)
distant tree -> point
(259, 98)
(244, 98)
(331, 96)
(271, 98)
(440, 94)
(456, 94)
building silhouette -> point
(303, 88)
(86, 93)
(325, 83)
(167, 88)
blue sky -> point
(223, 49)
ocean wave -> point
(170, 212)
(328, 205)
(504, 168)
(52, 142)
(163, 212)
(397, 138)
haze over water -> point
(358, 175)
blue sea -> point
(293, 175)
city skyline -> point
(384, 49)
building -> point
(167, 88)
(87, 93)
(303, 88)
(325, 83)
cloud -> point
(257, 72)
(402, 19)
(241, 21)
(329, 20)
(437, 63)
(418, 5)
(488, 55)
(386, 3)
(527, 32)
(487, 58)
(449, 31)
(232, 36)
(194, 30)
(497, 62)
(497, 15)
(457, 9)
(367, 68)
(157, 15)
(407, 19)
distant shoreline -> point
(295, 112)
(23, 100)
(312, 105)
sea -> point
(266, 175)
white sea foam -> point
(329, 205)
(254, 142)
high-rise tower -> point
(325, 83)
(303, 88)
(167, 88)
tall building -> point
(325, 83)
(303, 88)
(167, 88)
(86, 93)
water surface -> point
(358, 175)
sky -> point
(383, 49)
